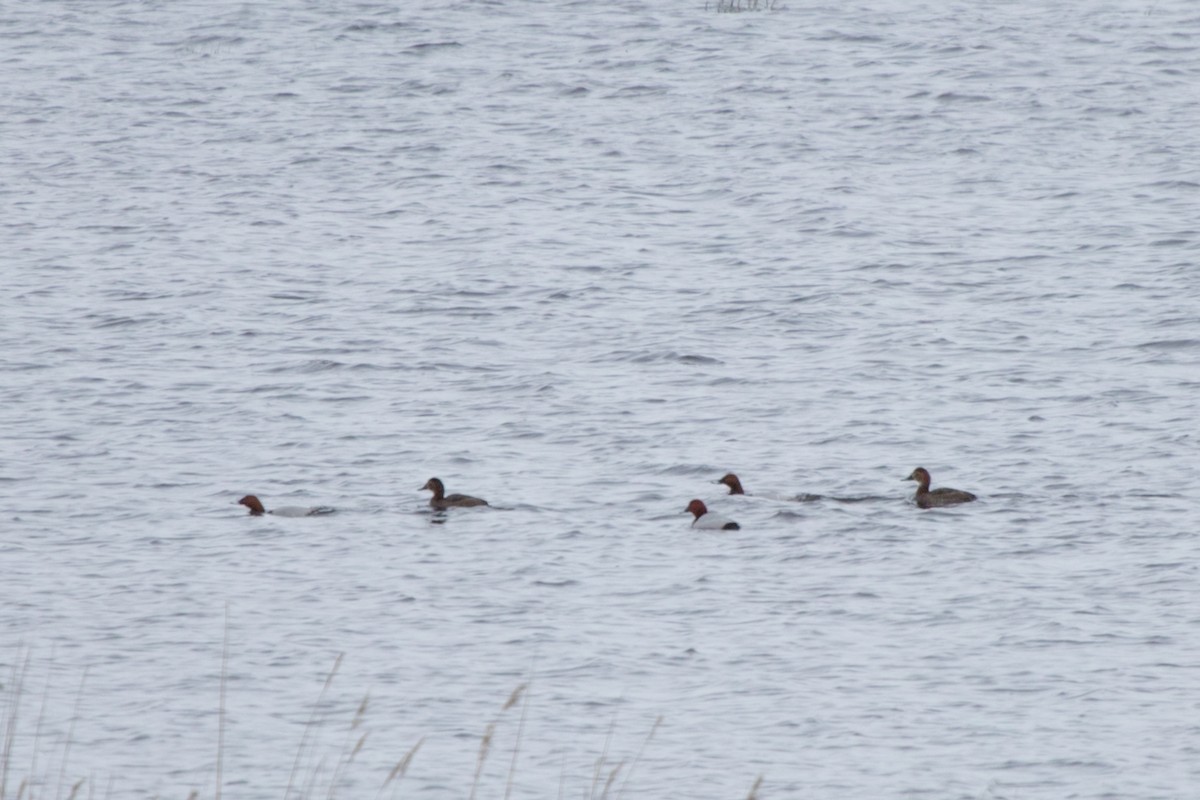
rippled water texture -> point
(582, 259)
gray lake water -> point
(582, 259)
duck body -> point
(256, 509)
(441, 500)
(937, 498)
(735, 487)
(705, 520)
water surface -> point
(582, 259)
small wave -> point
(430, 46)
(371, 27)
(127, 294)
(1114, 112)
(299, 297)
(119, 322)
(1169, 344)
(805, 497)
(955, 97)
(1175, 185)
(205, 46)
(669, 356)
(838, 36)
(636, 91)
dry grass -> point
(316, 772)
(401, 767)
(13, 695)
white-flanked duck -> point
(256, 509)
(706, 520)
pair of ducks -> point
(924, 498)
(439, 501)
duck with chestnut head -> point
(441, 500)
(735, 485)
(937, 498)
(257, 510)
(706, 520)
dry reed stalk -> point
(612, 776)
(513, 698)
(754, 789)
(612, 726)
(361, 713)
(62, 772)
(37, 731)
(401, 768)
(337, 662)
(311, 783)
(345, 759)
(484, 745)
(221, 705)
(10, 724)
(512, 767)
(638, 756)
(12, 714)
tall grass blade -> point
(347, 757)
(12, 714)
(512, 767)
(62, 772)
(308, 727)
(612, 777)
(37, 731)
(484, 745)
(638, 756)
(221, 706)
(401, 767)
(600, 762)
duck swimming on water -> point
(442, 500)
(709, 521)
(939, 497)
(256, 509)
(731, 480)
